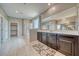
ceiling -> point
(24, 10)
(30, 10)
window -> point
(36, 23)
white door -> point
(0, 30)
(3, 30)
(1, 34)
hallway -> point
(42, 29)
(17, 47)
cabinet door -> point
(51, 40)
(44, 36)
(1, 31)
(39, 36)
(66, 45)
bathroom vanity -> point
(64, 42)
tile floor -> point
(21, 47)
(17, 47)
(44, 50)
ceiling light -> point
(49, 4)
(17, 11)
(53, 8)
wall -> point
(27, 26)
(2, 13)
(4, 37)
(4, 33)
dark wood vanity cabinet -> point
(66, 44)
(51, 40)
(39, 36)
(47, 38)
(44, 38)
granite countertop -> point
(62, 32)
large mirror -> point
(64, 17)
(66, 23)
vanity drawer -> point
(66, 44)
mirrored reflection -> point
(67, 23)
(66, 19)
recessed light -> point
(17, 11)
(53, 8)
(49, 4)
